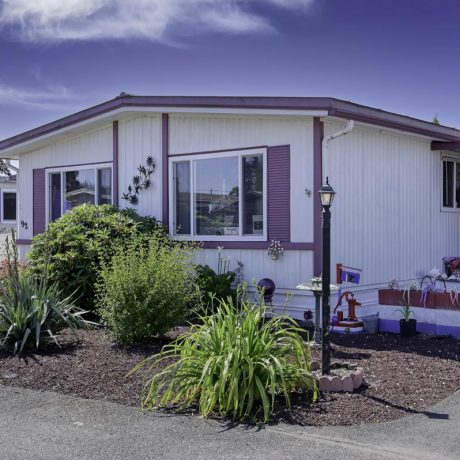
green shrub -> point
(146, 291)
(73, 248)
(233, 364)
(145, 224)
(32, 313)
(218, 285)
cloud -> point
(156, 20)
(51, 98)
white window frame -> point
(208, 156)
(9, 190)
(65, 169)
(456, 160)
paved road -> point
(44, 425)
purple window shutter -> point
(279, 192)
(39, 197)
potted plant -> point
(407, 325)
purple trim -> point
(445, 145)
(255, 245)
(38, 200)
(351, 111)
(279, 193)
(218, 151)
(115, 164)
(165, 168)
(390, 325)
(24, 242)
(334, 107)
(79, 164)
(318, 133)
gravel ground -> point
(402, 375)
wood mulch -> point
(402, 375)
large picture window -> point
(451, 184)
(220, 196)
(74, 187)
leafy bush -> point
(74, 247)
(231, 364)
(219, 285)
(145, 224)
(145, 291)
(32, 313)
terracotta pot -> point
(408, 328)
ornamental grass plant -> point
(234, 363)
(32, 312)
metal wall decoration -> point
(140, 182)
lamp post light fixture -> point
(326, 194)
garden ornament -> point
(267, 286)
(352, 304)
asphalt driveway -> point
(45, 425)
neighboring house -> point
(8, 202)
(239, 172)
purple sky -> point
(57, 57)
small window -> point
(71, 188)
(9, 206)
(451, 184)
(220, 196)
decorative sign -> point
(348, 274)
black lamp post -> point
(326, 194)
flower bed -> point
(397, 382)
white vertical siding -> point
(288, 271)
(194, 133)
(293, 268)
(386, 217)
(91, 147)
(139, 138)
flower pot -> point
(408, 328)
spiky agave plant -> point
(32, 313)
(232, 364)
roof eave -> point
(331, 106)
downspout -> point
(321, 147)
(348, 129)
